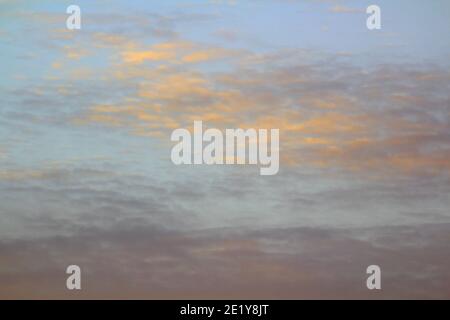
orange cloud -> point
(321, 123)
(204, 55)
(141, 56)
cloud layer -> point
(86, 176)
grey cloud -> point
(149, 262)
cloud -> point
(330, 115)
(205, 55)
(3, 153)
(344, 9)
(141, 56)
(87, 177)
(147, 262)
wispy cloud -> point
(85, 170)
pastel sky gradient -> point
(86, 176)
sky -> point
(86, 176)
